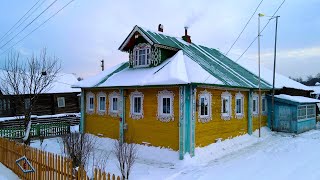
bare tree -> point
(79, 147)
(26, 79)
(126, 154)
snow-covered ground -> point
(7, 174)
(273, 156)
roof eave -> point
(135, 29)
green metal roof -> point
(212, 60)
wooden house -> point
(60, 98)
(172, 93)
(293, 114)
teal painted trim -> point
(250, 112)
(123, 66)
(82, 110)
(122, 116)
(188, 117)
(192, 124)
(181, 121)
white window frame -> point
(226, 96)
(239, 96)
(89, 96)
(165, 117)
(133, 114)
(206, 95)
(306, 115)
(61, 99)
(265, 104)
(104, 110)
(136, 55)
(112, 112)
(255, 97)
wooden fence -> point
(47, 165)
(37, 130)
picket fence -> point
(47, 165)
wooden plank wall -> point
(47, 165)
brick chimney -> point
(186, 37)
(160, 28)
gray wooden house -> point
(60, 98)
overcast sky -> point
(87, 31)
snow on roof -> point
(316, 89)
(96, 79)
(179, 69)
(299, 99)
(267, 75)
(62, 83)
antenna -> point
(102, 65)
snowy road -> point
(274, 156)
(7, 174)
(279, 156)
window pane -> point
(114, 104)
(102, 103)
(166, 105)
(137, 105)
(254, 108)
(142, 57)
(239, 106)
(91, 103)
(148, 56)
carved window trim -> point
(136, 55)
(255, 102)
(206, 95)
(134, 115)
(112, 112)
(89, 96)
(99, 110)
(226, 97)
(161, 116)
(239, 96)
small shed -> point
(293, 114)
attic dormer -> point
(144, 49)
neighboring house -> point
(61, 98)
(172, 93)
(294, 114)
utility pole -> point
(259, 101)
(102, 65)
(274, 72)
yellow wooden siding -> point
(255, 118)
(207, 133)
(102, 125)
(150, 129)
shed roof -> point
(297, 99)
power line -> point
(260, 32)
(19, 20)
(253, 39)
(8, 34)
(38, 26)
(29, 23)
(244, 27)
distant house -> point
(172, 93)
(294, 114)
(61, 98)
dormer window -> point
(142, 55)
